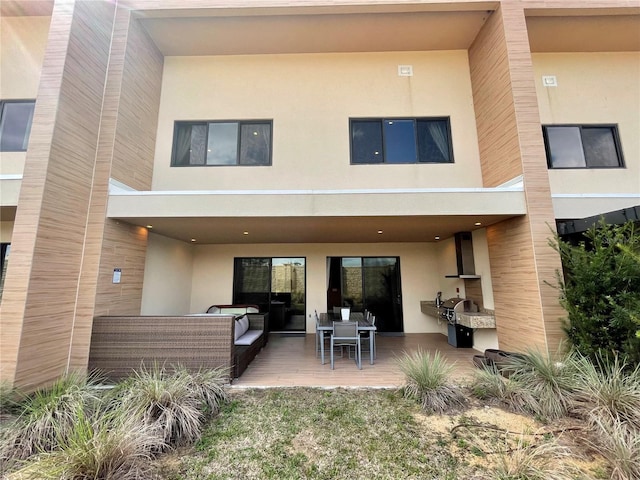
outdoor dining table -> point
(326, 325)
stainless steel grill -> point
(452, 306)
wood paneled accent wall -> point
(527, 309)
(48, 240)
(125, 152)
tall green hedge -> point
(600, 290)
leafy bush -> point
(601, 291)
(427, 381)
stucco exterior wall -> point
(593, 88)
(310, 99)
(22, 44)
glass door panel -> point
(288, 294)
(252, 282)
(351, 279)
(382, 293)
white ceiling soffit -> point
(317, 33)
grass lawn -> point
(305, 433)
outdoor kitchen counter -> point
(476, 320)
(466, 319)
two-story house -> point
(161, 156)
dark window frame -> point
(582, 126)
(415, 120)
(206, 123)
(3, 103)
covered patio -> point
(290, 360)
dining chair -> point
(319, 335)
(336, 310)
(364, 336)
(345, 334)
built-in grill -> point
(452, 306)
(458, 335)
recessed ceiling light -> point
(437, 237)
(149, 226)
(477, 224)
(379, 232)
(245, 233)
(193, 239)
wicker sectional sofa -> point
(121, 344)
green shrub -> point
(426, 377)
(601, 291)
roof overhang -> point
(316, 216)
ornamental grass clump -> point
(105, 446)
(488, 384)
(607, 390)
(47, 416)
(546, 461)
(550, 383)
(173, 400)
(619, 445)
(426, 377)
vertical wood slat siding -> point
(510, 142)
(125, 152)
(43, 274)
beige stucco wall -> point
(168, 272)
(181, 278)
(593, 88)
(310, 99)
(22, 44)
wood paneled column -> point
(527, 309)
(43, 272)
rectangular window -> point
(15, 124)
(221, 143)
(582, 146)
(401, 140)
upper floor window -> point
(401, 140)
(582, 146)
(222, 143)
(15, 124)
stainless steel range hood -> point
(464, 256)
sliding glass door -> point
(277, 285)
(371, 283)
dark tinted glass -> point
(565, 147)
(255, 144)
(366, 141)
(433, 141)
(600, 147)
(222, 145)
(399, 141)
(15, 126)
(190, 144)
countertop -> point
(466, 319)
